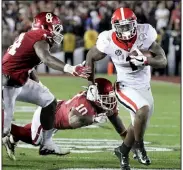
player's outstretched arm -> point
(93, 55)
(118, 125)
(42, 50)
(159, 60)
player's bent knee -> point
(47, 99)
(145, 109)
(52, 105)
(143, 112)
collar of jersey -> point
(123, 45)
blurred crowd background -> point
(84, 20)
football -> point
(145, 53)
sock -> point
(47, 136)
(21, 133)
(125, 149)
(139, 144)
(47, 116)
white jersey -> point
(108, 44)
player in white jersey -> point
(133, 75)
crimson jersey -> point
(80, 103)
(21, 56)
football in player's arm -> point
(133, 89)
(157, 61)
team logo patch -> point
(142, 36)
(118, 52)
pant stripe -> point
(35, 141)
(127, 102)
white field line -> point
(25, 121)
(92, 145)
(83, 149)
(109, 169)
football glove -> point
(139, 60)
(92, 93)
(79, 70)
(100, 118)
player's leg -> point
(37, 131)
(35, 93)
(22, 133)
(139, 148)
(122, 152)
(17, 133)
(9, 97)
(139, 109)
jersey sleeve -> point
(152, 36)
(103, 41)
(38, 35)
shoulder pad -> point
(103, 41)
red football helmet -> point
(107, 99)
(124, 23)
(51, 23)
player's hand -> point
(139, 60)
(92, 93)
(100, 118)
(79, 70)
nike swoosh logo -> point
(91, 90)
(140, 60)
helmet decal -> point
(49, 17)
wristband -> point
(68, 68)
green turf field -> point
(92, 147)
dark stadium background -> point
(80, 16)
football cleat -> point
(52, 149)
(141, 156)
(124, 159)
(10, 147)
(135, 157)
(134, 154)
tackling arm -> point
(118, 125)
(77, 120)
(42, 50)
(93, 55)
(159, 60)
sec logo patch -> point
(118, 52)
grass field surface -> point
(93, 147)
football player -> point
(72, 114)
(30, 49)
(132, 88)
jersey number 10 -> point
(82, 109)
(16, 44)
